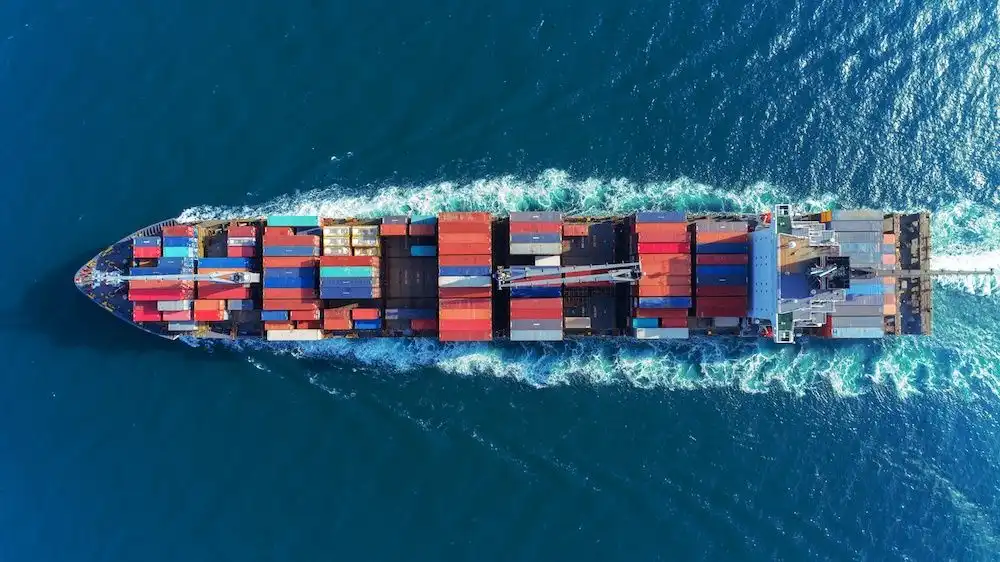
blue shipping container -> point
(645, 322)
(225, 262)
(146, 241)
(367, 324)
(395, 219)
(463, 271)
(159, 270)
(346, 293)
(723, 248)
(855, 289)
(423, 219)
(274, 315)
(716, 280)
(535, 292)
(734, 270)
(346, 282)
(180, 241)
(187, 263)
(289, 282)
(291, 251)
(279, 272)
(660, 216)
(664, 302)
(410, 314)
(535, 238)
(423, 251)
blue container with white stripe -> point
(660, 216)
(723, 248)
(707, 280)
(460, 271)
(423, 251)
(289, 282)
(179, 241)
(347, 293)
(732, 270)
(291, 251)
(274, 315)
(535, 292)
(368, 324)
(395, 219)
(287, 272)
(158, 270)
(346, 282)
(185, 264)
(233, 263)
(146, 242)
(535, 238)
(664, 302)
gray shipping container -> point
(720, 226)
(662, 333)
(856, 226)
(577, 322)
(861, 310)
(173, 306)
(536, 335)
(536, 216)
(549, 249)
(519, 325)
(862, 300)
(868, 237)
(239, 305)
(856, 333)
(858, 215)
(182, 326)
(726, 322)
(860, 247)
(858, 322)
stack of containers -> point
(180, 241)
(721, 270)
(222, 290)
(423, 225)
(393, 226)
(536, 313)
(536, 234)
(421, 320)
(152, 298)
(663, 293)
(241, 241)
(349, 277)
(291, 309)
(146, 247)
(210, 310)
(465, 264)
(861, 239)
(336, 240)
(365, 241)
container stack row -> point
(662, 297)
(241, 241)
(147, 247)
(859, 233)
(465, 266)
(221, 289)
(722, 271)
(537, 234)
(180, 241)
(291, 308)
(418, 317)
(536, 313)
(171, 301)
(356, 279)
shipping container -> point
(536, 216)
(460, 304)
(209, 304)
(365, 313)
(295, 240)
(211, 315)
(536, 228)
(536, 304)
(242, 231)
(460, 230)
(342, 293)
(474, 324)
(290, 293)
(146, 252)
(278, 230)
(465, 335)
(540, 314)
(423, 229)
(348, 271)
(888, 259)
(146, 312)
(337, 251)
(548, 249)
(673, 322)
(294, 335)
(660, 216)
(663, 290)
(424, 324)
(241, 304)
(537, 324)
(146, 241)
(222, 291)
(424, 219)
(660, 313)
(336, 241)
(395, 219)
(465, 217)
(179, 230)
(161, 294)
(857, 225)
(290, 220)
(660, 237)
(664, 248)
(470, 281)
(865, 287)
(241, 251)
(171, 306)
(721, 270)
(371, 244)
(304, 315)
(464, 238)
(448, 248)
(410, 313)
(857, 215)
(337, 231)
(535, 292)
(228, 263)
(858, 333)
(645, 322)
(536, 335)
(721, 290)
(722, 237)
(244, 241)
(334, 282)
(158, 284)
(176, 252)
(721, 259)
(336, 323)
(290, 282)
(664, 302)
(290, 304)
(364, 231)
(465, 292)
(423, 251)
(464, 271)
(575, 229)
(290, 251)
(723, 248)
(179, 242)
(274, 315)
(465, 314)
(475, 260)
(182, 326)
(548, 261)
(662, 333)
(577, 322)
(657, 228)
(353, 261)
(177, 316)
(292, 262)
(705, 280)
(536, 238)
(274, 325)
(711, 225)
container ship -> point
(529, 276)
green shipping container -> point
(291, 220)
(347, 271)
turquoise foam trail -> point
(961, 357)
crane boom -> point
(609, 272)
(232, 278)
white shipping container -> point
(662, 333)
(294, 335)
(549, 261)
(536, 335)
(182, 326)
(337, 231)
(465, 281)
(366, 251)
(336, 241)
(364, 242)
(173, 306)
(364, 231)
(336, 251)
(241, 241)
(546, 249)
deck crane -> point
(607, 273)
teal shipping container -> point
(348, 271)
(292, 220)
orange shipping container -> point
(465, 314)
(664, 280)
(278, 230)
(664, 290)
(336, 324)
(465, 335)
(464, 228)
(475, 324)
(723, 237)
(450, 248)
(889, 310)
(888, 259)
(464, 238)
(393, 230)
(465, 217)
(465, 292)
(209, 304)
(278, 325)
(536, 304)
(660, 313)
(365, 314)
(889, 239)
(290, 262)
(304, 315)
(661, 227)
(458, 304)
(309, 325)
(453, 260)
(343, 312)
(576, 229)
(647, 237)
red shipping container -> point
(575, 229)
(453, 228)
(664, 248)
(535, 227)
(480, 260)
(279, 230)
(471, 324)
(660, 313)
(139, 315)
(182, 230)
(146, 252)
(660, 227)
(536, 304)
(664, 280)
(392, 230)
(161, 294)
(290, 293)
(674, 322)
(241, 251)
(290, 262)
(423, 229)
(465, 335)
(221, 291)
(464, 238)
(447, 249)
(365, 314)
(465, 292)
(300, 240)
(340, 313)
(723, 237)
(647, 237)
(177, 316)
(721, 259)
(468, 304)
(209, 304)
(309, 325)
(272, 325)
(665, 264)
(465, 314)
(536, 314)
(332, 261)
(721, 291)
(306, 315)
(465, 217)
(664, 290)
(291, 304)
(424, 324)
(209, 315)
(151, 284)
(241, 231)
(336, 324)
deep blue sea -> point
(115, 446)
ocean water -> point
(117, 446)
